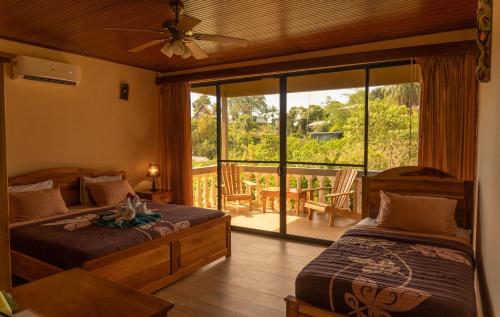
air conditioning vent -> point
(50, 80)
(38, 69)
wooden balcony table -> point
(292, 193)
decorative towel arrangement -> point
(131, 213)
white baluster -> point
(199, 193)
(213, 190)
(322, 192)
(258, 188)
(287, 189)
(206, 194)
(309, 181)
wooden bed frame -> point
(410, 180)
(146, 267)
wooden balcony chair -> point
(340, 191)
(232, 189)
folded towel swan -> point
(130, 213)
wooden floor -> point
(252, 282)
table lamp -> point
(153, 172)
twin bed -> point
(379, 272)
(147, 257)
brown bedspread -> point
(376, 272)
(71, 240)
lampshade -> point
(177, 47)
(167, 49)
(153, 170)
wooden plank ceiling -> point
(272, 27)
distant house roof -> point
(203, 110)
(316, 124)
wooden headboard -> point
(67, 179)
(423, 181)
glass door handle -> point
(279, 169)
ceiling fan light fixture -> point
(187, 53)
(178, 47)
(167, 49)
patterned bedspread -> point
(70, 240)
(373, 272)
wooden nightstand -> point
(161, 195)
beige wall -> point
(51, 125)
(488, 181)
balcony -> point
(298, 179)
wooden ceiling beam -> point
(324, 62)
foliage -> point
(253, 131)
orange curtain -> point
(175, 141)
(448, 114)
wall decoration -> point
(484, 27)
(124, 91)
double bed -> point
(146, 257)
(371, 271)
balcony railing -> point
(205, 183)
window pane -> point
(393, 117)
(325, 120)
(250, 125)
(204, 146)
(204, 126)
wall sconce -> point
(124, 91)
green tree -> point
(250, 105)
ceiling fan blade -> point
(198, 53)
(146, 45)
(187, 23)
(136, 30)
(220, 39)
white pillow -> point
(84, 193)
(32, 187)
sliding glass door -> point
(325, 133)
(284, 155)
(250, 153)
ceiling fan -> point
(180, 38)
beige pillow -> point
(31, 205)
(417, 213)
(84, 194)
(32, 187)
(109, 193)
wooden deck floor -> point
(252, 282)
(300, 225)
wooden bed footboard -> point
(297, 308)
(148, 266)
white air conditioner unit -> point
(44, 70)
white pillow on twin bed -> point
(48, 184)
(84, 193)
